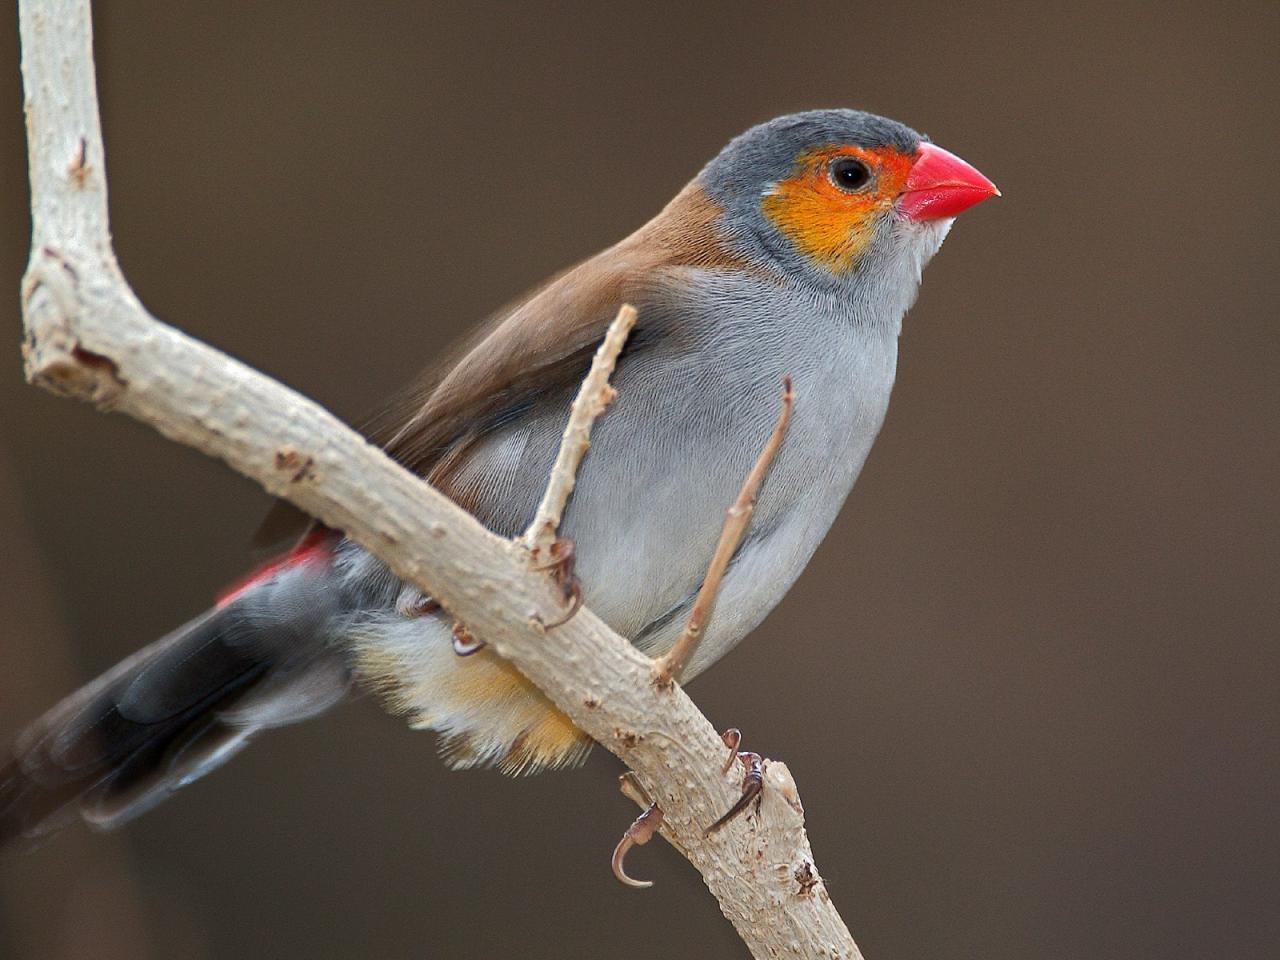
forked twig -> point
(667, 668)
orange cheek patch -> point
(827, 224)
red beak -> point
(940, 185)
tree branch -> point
(593, 397)
(87, 336)
(668, 667)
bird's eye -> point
(849, 174)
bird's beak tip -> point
(941, 185)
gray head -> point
(832, 193)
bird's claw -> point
(562, 563)
(412, 603)
(732, 739)
(752, 781)
(640, 832)
(464, 641)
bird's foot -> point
(639, 833)
(752, 781)
(561, 566)
(464, 641)
(413, 603)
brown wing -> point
(540, 344)
(535, 347)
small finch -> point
(796, 251)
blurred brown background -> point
(1028, 686)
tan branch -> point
(86, 335)
(737, 519)
(594, 396)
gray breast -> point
(695, 406)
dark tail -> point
(176, 710)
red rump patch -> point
(315, 547)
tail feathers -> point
(171, 713)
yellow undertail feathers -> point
(485, 711)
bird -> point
(794, 253)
